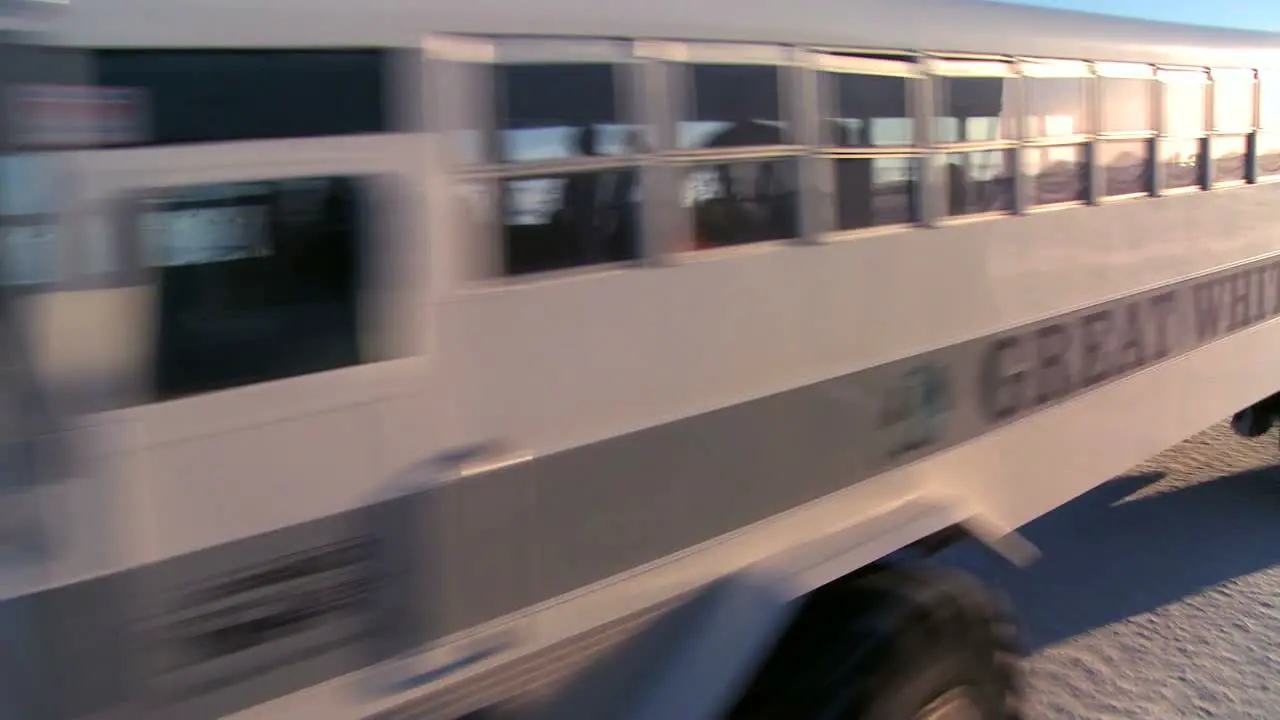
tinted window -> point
(732, 106)
(209, 96)
(257, 281)
(974, 109)
(870, 110)
(741, 202)
(1056, 107)
(1056, 174)
(871, 192)
(1268, 155)
(1126, 104)
(1181, 160)
(1184, 103)
(552, 112)
(980, 182)
(571, 220)
(1230, 158)
(1233, 101)
(1269, 102)
(1126, 167)
(29, 206)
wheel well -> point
(844, 622)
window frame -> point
(1217, 131)
(480, 57)
(389, 295)
(1030, 69)
(385, 113)
(1268, 128)
(826, 155)
(1165, 138)
(1126, 71)
(939, 67)
(672, 62)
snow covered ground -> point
(1158, 595)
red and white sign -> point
(70, 116)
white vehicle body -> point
(645, 430)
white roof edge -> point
(973, 26)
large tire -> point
(1251, 422)
(893, 644)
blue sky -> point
(1249, 14)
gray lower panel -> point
(231, 626)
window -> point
(1126, 104)
(731, 109)
(1268, 155)
(1056, 174)
(29, 226)
(975, 102)
(1184, 127)
(570, 191)
(980, 182)
(977, 116)
(1230, 158)
(1233, 119)
(870, 140)
(1125, 167)
(199, 96)
(1125, 139)
(556, 112)
(553, 222)
(257, 281)
(732, 106)
(1056, 99)
(1268, 136)
(1182, 163)
(1056, 103)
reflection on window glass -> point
(1269, 101)
(1268, 154)
(1056, 107)
(732, 106)
(1126, 167)
(1126, 104)
(566, 221)
(29, 206)
(553, 112)
(257, 281)
(980, 182)
(29, 254)
(1056, 174)
(871, 192)
(29, 185)
(1233, 101)
(870, 111)
(1184, 104)
(741, 202)
(194, 234)
(1181, 160)
(1230, 158)
(216, 96)
(975, 109)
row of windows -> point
(554, 222)
(560, 150)
(561, 111)
(541, 109)
(260, 280)
(195, 96)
